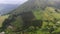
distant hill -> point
(6, 8)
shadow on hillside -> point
(28, 21)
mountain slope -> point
(34, 4)
(31, 15)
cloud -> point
(12, 1)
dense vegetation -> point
(37, 21)
(32, 18)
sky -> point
(12, 1)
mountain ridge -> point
(34, 4)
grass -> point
(2, 18)
(38, 14)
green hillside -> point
(37, 21)
(32, 17)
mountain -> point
(29, 5)
(34, 4)
(28, 17)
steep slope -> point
(35, 4)
(29, 16)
